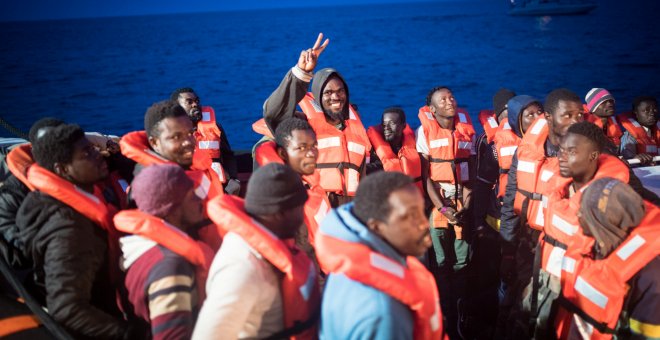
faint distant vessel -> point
(551, 7)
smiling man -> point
(343, 143)
(376, 288)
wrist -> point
(301, 74)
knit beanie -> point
(500, 99)
(158, 189)
(596, 97)
(272, 188)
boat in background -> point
(550, 7)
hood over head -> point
(516, 106)
(318, 83)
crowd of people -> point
(537, 228)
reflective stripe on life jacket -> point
(562, 229)
(19, 161)
(156, 229)
(406, 161)
(613, 131)
(536, 175)
(449, 150)
(317, 205)
(506, 144)
(261, 128)
(645, 143)
(342, 153)
(412, 285)
(300, 290)
(207, 153)
(600, 286)
(489, 122)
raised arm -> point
(281, 104)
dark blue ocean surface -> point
(104, 73)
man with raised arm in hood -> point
(343, 143)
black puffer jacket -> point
(70, 267)
(12, 194)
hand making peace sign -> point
(308, 58)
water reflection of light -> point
(543, 22)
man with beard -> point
(393, 144)
(212, 144)
(642, 137)
(343, 143)
(533, 173)
(601, 108)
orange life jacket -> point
(645, 143)
(488, 120)
(413, 286)
(156, 229)
(92, 206)
(134, 145)
(537, 176)
(19, 161)
(300, 289)
(317, 205)
(261, 128)
(406, 161)
(506, 143)
(562, 230)
(342, 153)
(207, 153)
(613, 132)
(448, 148)
(599, 289)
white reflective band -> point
(320, 214)
(564, 226)
(526, 166)
(208, 145)
(435, 321)
(306, 288)
(630, 247)
(591, 293)
(203, 189)
(206, 116)
(429, 115)
(507, 126)
(635, 123)
(465, 172)
(508, 150)
(383, 263)
(546, 175)
(651, 149)
(352, 180)
(316, 106)
(437, 143)
(465, 145)
(536, 129)
(614, 121)
(540, 216)
(329, 142)
(88, 195)
(492, 122)
(351, 113)
(462, 118)
(217, 167)
(555, 260)
(123, 184)
(568, 264)
(357, 148)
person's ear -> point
(547, 116)
(375, 225)
(60, 169)
(594, 155)
(154, 143)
